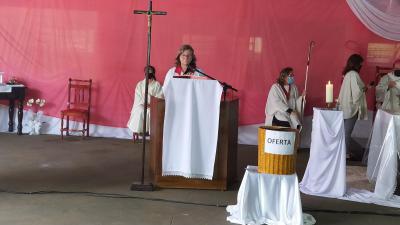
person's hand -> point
(378, 105)
(304, 94)
(294, 113)
(391, 84)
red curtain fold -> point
(244, 43)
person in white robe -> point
(388, 91)
(283, 105)
(185, 65)
(352, 101)
(135, 123)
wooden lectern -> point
(226, 154)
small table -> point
(268, 199)
(326, 169)
(383, 153)
(12, 93)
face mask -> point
(290, 80)
(397, 73)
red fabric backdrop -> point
(244, 43)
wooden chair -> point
(78, 106)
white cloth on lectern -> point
(326, 169)
(190, 127)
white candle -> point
(329, 92)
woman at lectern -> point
(352, 100)
(283, 102)
(185, 64)
(135, 123)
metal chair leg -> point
(62, 126)
(83, 129)
(67, 125)
(87, 125)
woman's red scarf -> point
(178, 70)
(287, 93)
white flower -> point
(30, 102)
(38, 101)
(41, 103)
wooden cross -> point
(142, 186)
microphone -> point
(190, 68)
(225, 85)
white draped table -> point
(326, 169)
(325, 174)
(268, 199)
(383, 154)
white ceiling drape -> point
(380, 16)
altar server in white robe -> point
(135, 123)
(388, 91)
(352, 101)
(284, 103)
(185, 65)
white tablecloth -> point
(190, 127)
(5, 88)
(8, 87)
(268, 199)
(325, 174)
(383, 153)
(326, 170)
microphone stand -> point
(225, 86)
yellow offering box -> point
(277, 150)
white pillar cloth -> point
(190, 127)
(383, 153)
(325, 174)
(268, 199)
